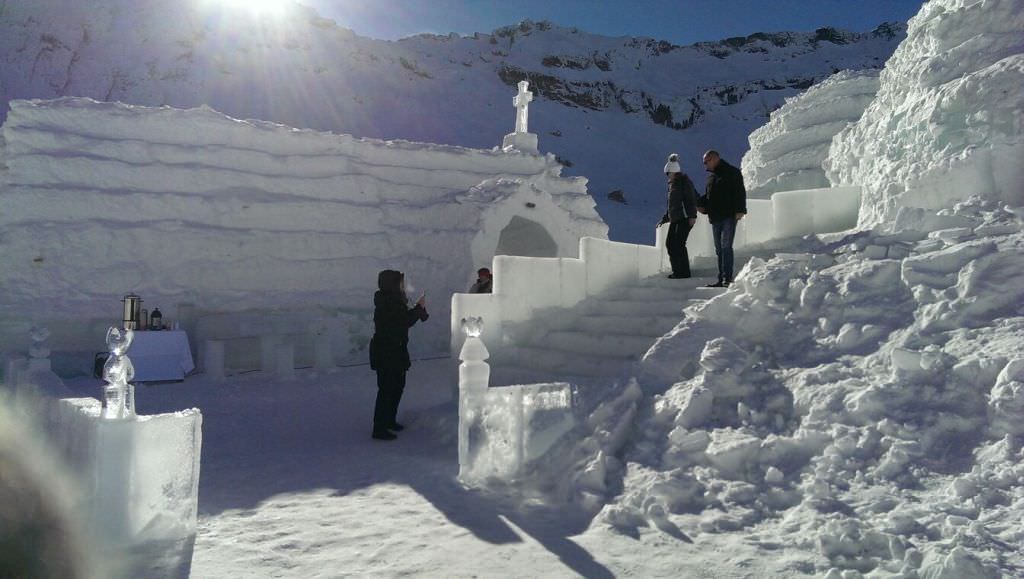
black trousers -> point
(390, 385)
(678, 232)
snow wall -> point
(245, 219)
(947, 121)
(786, 153)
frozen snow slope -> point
(102, 199)
(947, 121)
(786, 154)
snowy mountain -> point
(610, 108)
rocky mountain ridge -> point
(619, 104)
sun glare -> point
(260, 6)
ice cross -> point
(522, 102)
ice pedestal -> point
(139, 476)
(323, 355)
(147, 473)
(503, 429)
(213, 360)
(284, 360)
(525, 142)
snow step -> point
(652, 326)
(606, 345)
(708, 292)
(568, 364)
(660, 281)
(644, 293)
(636, 308)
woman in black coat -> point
(389, 348)
(681, 217)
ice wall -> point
(100, 199)
(949, 116)
(786, 154)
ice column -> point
(474, 378)
(118, 394)
(521, 139)
(39, 352)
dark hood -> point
(390, 281)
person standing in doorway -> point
(725, 203)
(389, 348)
(681, 217)
(483, 282)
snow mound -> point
(786, 154)
(102, 199)
(863, 406)
(949, 116)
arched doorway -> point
(526, 238)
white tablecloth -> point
(160, 355)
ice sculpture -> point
(39, 348)
(118, 394)
(503, 429)
(39, 351)
(474, 372)
(521, 139)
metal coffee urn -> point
(132, 304)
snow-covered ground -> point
(293, 486)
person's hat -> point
(673, 164)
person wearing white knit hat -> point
(681, 216)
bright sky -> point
(678, 21)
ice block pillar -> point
(474, 378)
(39, 353)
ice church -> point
(258, 228)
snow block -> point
(139, 478)
(798, 213)
(504, 429)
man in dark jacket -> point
(389, 348)
(681, 216)
(725, 203)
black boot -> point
(383, 435)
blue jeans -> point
(724, 232)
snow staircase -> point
(603, 334)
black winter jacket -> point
(392, 318)
(725, 195)
(682, 200)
